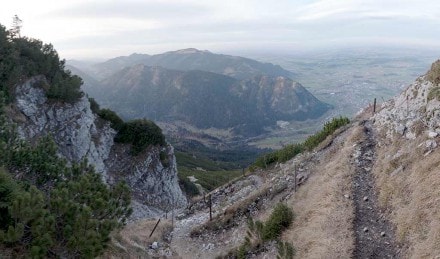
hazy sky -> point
(108, 28)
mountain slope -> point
(193, 59)
(369, 191)
(206, 100)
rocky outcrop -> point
(72, 126)
(80, 134)
(414, 112)
(159, 187)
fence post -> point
(154, 228)
(294, 170)
(374, 106)
(172, 214)
(210, 208)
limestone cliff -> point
(81, 134)
(415, 111)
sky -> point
(100, 29)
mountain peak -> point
(189, 51)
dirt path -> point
(212, 245)
(374, 234)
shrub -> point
(285, 250)
(434, 93)
(51, 210)
(280, 219)
(164, 159)
(260, 233)
(94, 106)
(433, 74)
(188, 187)
(140, 134)
(115, 121)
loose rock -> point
(432, 134)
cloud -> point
(151, 26)
(130, 9)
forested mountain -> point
(205, 99)
(191, 59)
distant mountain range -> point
(190, 59)
(200, 88)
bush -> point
(68, 211)
(188, 187)
(280, 219)
(260, 233)
(285, 250)
(94, 106)
(140, 134)
(434, 93)
(433, 74)
(115, 121)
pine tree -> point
(17, 23)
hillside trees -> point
(140, 134)
(22, 57)
(50, 209)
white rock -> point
(432, 134)
(155, 245)
(365, 198)
(365, 229)
(431, 144)
(382, 233)
(400, 129)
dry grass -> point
(411, 193)
(133, 240)
(227, 220)
(323, 224)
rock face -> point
(414, 112)
(71, 125)
(80, 134)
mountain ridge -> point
(190, 59)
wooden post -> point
(210, 208)
(294, 170)
(407, 105)
(154, 228)
(374, 106)
(172, 214)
